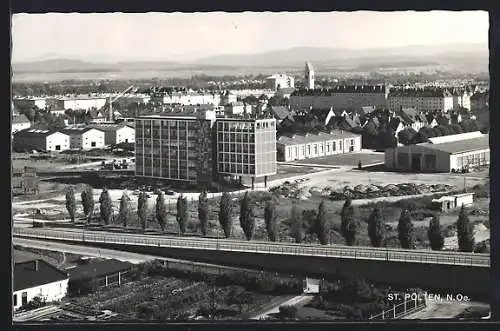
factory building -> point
(441, 154)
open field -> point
(348, 159)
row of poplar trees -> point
(318, 226)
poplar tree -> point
(225, 214)
(376, 228)
(71, 203)
(161, 211)
(203, 209)
(465, 233)
(87, 202)
(348, 223)
(247, 219)
(271, 219)
(105, 207)
(436, 235)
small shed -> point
(453, 201)
(311, 285)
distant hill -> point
(458, 55)
(341, 56)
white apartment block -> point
(279, 81)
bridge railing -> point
(388, 254)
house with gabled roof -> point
(38, 278)
(85, 137)
(41, 140)
(20, 122)
(323, 115)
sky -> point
(189, 36)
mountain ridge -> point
(293, 57)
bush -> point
(287, 311)
(81, 286)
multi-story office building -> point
(190, 149)
(175, 147)
(246, 147)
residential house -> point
(411, 118)
(323, 115)
(20, 122)
(57, 112)
(98, 115)
(237, 108)
(37, 278)
(443, 119)
(479, 101)
(285, 92)
(431, 120)
(456, 118)
(347, 123)
(85, 137)
(41, 140)
(281, 113)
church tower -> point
(309, 83)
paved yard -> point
(349, 159)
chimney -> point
(36, 265)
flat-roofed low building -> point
(116, 133)
(300, 147)
(85, 137)
(441, 154)
(453, 201)
(41, 140)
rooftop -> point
(27, 276)
(76, 130)
(34, 133)
(308, 138)
(461, 146)
(456, 137)
(341, 89)
(20, 119)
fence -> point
(403, 309)
(337, 251)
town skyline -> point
(200, 35)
